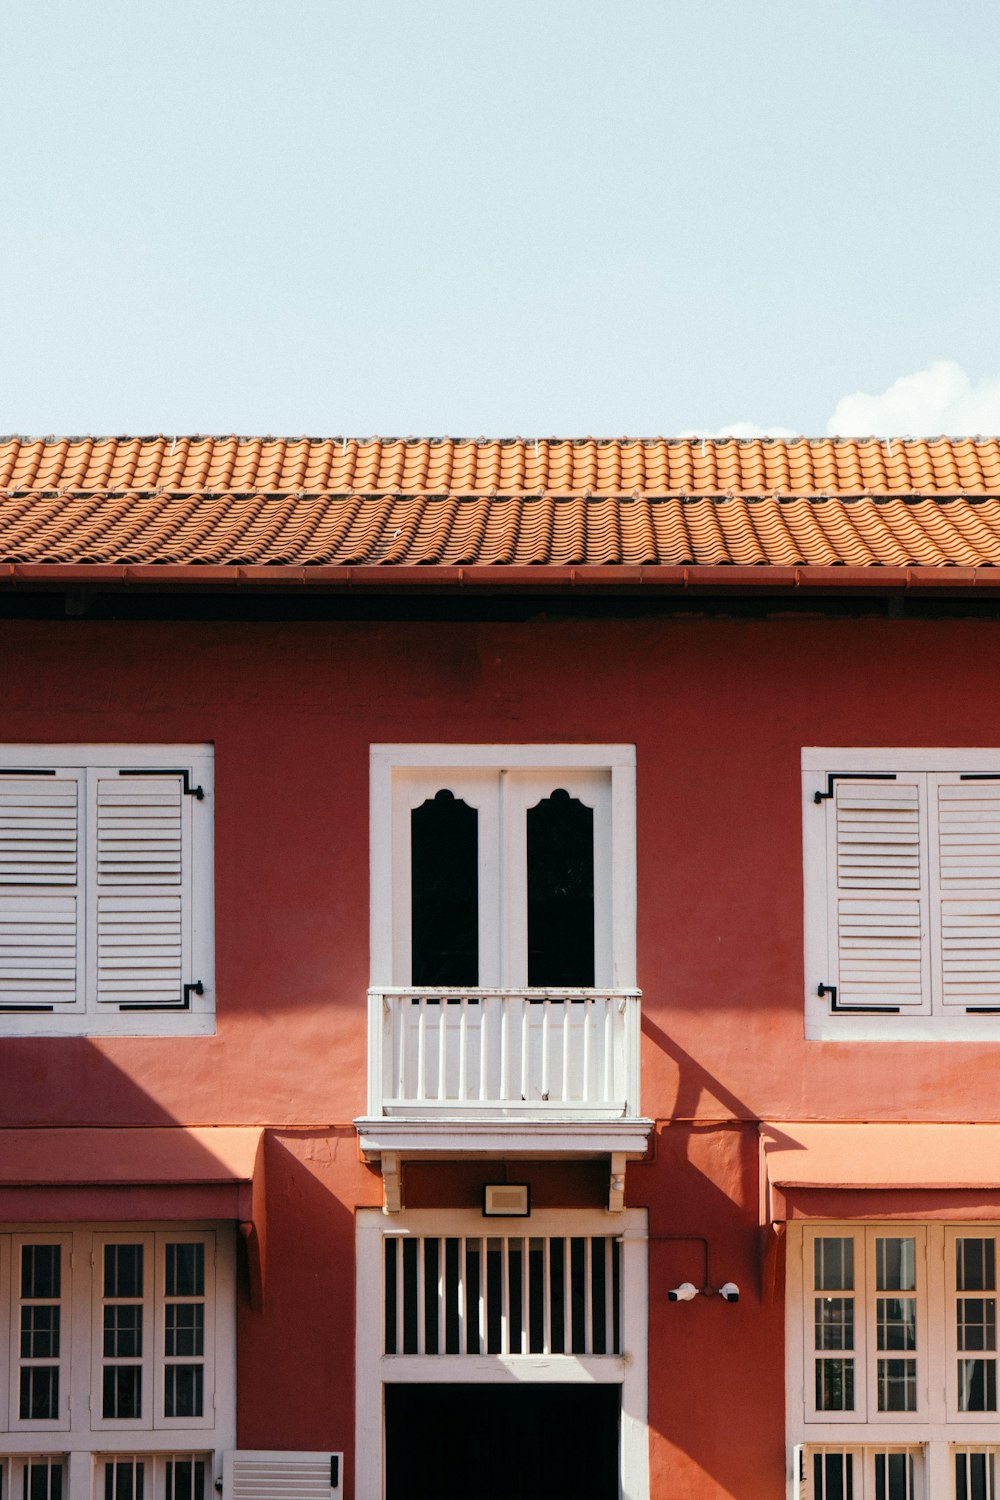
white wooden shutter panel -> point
(965, 815)
(878, 874)
(40, 896)
(142, 879)
(267, 1475)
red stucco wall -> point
(718, 711)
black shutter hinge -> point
(28, 771)
(189, 790)
(857, 1010)
(833, 776)
(197, 988)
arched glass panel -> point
(444, 874)
(561, 892)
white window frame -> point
(400, 773)
(938, 1428)
(86, 1432)
(87, 1016)
(375, 1369)
(927, 1025)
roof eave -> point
(540, 578)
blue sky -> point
(396, 216)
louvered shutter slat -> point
(140, 899)
(879, 916)
(39, 905)
(968, 905)
(257, 1475)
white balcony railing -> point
(503, 1053)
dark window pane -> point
(123, 1270)
(897, 1384)
(123, 1331)
(977, 1385)
(974, 1476)
(185, 1479)
(41, 1270)
(975, 1265)
(835, 1385)
(834, 1322)
(40, 1332)
(896, 1322)
(123, 1481)
(122, 1391)
(185, 1270)
(833, 1476)
(42, 1481)
(444, 875)
(185, 1327)
(39, 1393)
(561, 892)
(834, 1265)
(895, 1265)
(893, 1476)
(977, 1322)
(183, 1391)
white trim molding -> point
(375, 1369)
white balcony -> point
(503, 1072)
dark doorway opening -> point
(502, 1442)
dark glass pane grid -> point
(444, 892)
(560, 839)
(39, 1393)
(41, 1271)
(124, 1481)
(41, 1480)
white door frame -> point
(374, 1369)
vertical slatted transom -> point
(879, 871)
(39, 894)
(140, 878)
(502, 1294)
(967, 939)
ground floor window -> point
(118, 1380)
(892, 1360)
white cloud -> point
(940, 399)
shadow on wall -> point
(716, 1390)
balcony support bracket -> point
(616, 1191)
(392, 1183)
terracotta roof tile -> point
(349, 502)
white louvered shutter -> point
(40, 890)
(141, 853)
(878, 873)
(265, 1475)
(965, 822)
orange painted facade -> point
(718, 710)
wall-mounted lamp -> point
(507, 1200)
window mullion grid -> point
(41, 1331)
(122, 1323)
(970, 1289)
(184, 1344)
(830, 1309)
(893, 1360)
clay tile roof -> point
(622, 502)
